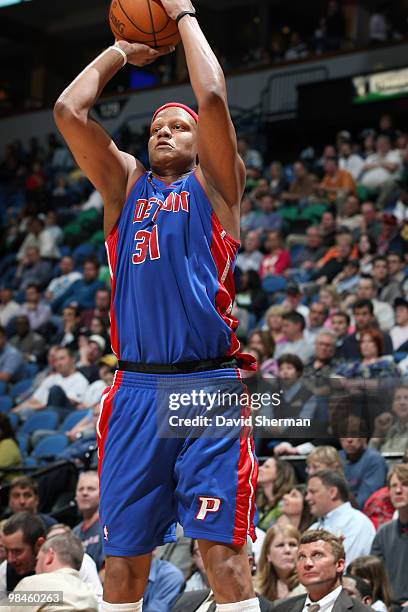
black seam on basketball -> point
(165, 26)
(131, 21)
(152, 22)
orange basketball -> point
(143, 21)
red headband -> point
(177, 105)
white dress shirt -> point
(326, 603)
(358, 531)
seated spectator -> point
(268, 218)
(358, 589)
(30, 344)
(68, 335)
(381, 169)
(301, 187)
(364, 468)
(295, 509)
(278, 182)
(366, 251)
(35, 310)
(57, 569)
(274, 323)
(82, 291)
(8, 307)
(350, 161)
(10, 455)
(23, 535)
(325, 274)
(318, 314)
(399, 333)
(331, 299)
(89, 355)
(163, 586)
(277, 259)
(62, 283)
(63, 390)
(250, 296)
(262, 342)
(293, 300)
(390, 238)
(247, 214)
(371, 569)
(276, 577)
(387, 290)
(391, 429)
(11, 360)
(390, 543)
(340, 323)
(319, 566)
(43, 238)
(350, 217)
(251, 157)
(373, 364)
(348, 279)
(275, 478)
(198, 579)
(250, 258)
(32, 270)
(297, 49)
(88, 530)
(328, 228)
(379, 508)
(24, 497)
(324, 458)
(307, 256)
(337, 184)
(371, 224)
(396, 267)
(296, 344)
(328, 498)
(363, 313)
(101, 309)
(87, 572)
(323, 362)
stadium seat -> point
(30, 370)
(43, 419)
(83, 251)
(6, 403)
(3, 388)
(21, 387)
(273, 283)
(72, 419)
(22, 440)
(14, 419)
(50, 446)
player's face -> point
(173, 141)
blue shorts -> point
(150, 481)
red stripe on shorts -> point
(102, 426)
(111, 245)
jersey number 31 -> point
(147, 245)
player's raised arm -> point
(108, 169)
(217, 145)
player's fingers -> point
(165, 50)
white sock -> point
(249, 605)
(126, 607)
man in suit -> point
(320, 565)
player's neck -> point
(169, 176)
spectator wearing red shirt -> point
(277, 259)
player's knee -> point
(124, 571)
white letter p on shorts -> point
(207, 504)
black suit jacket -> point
(343, 603)
(192, 600)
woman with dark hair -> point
(367, 249)
(295, 509)
(10, 455)
(262, 342)
(251, 296)
(373, 364)
(276, 477)
(276, 576)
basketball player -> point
(172, 237)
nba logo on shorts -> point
(207, 504)
(105, 533)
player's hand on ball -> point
(141, 55)
(174, 7)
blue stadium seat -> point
(21, 387)
(273, 283)
(43, 419)
(72, 419)
(22, 440)
(14, 419)
(30, 370)
(50, 446)
(6, 403)
(82, 251)
(29, 461)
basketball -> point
(143, 21)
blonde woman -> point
(276, 576)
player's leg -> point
(125, 582)
(229, 575)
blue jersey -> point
(171, 266)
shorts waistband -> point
(166, 382)
(183, 367)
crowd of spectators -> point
(321, 282)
